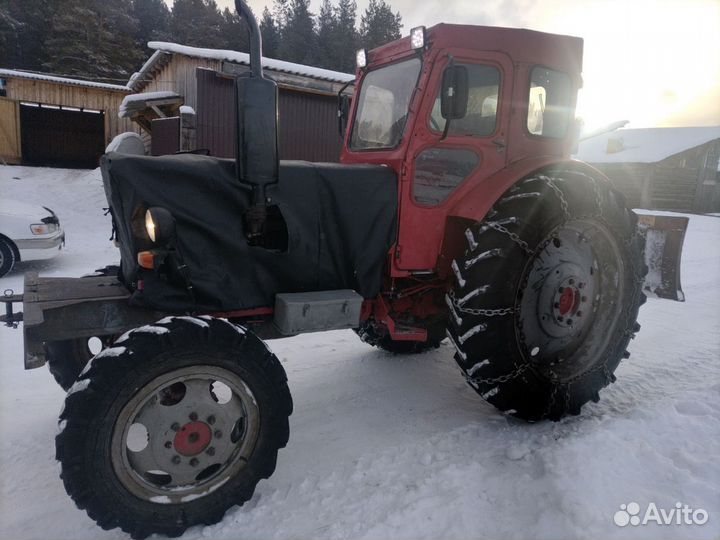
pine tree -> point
(92, 38)
(235, 32)
(346, 40)
(23, 27)
(299, 40)
(153, 18)
(197, 23)
(270, 34)
(326, 35)
(379, 25)
(281, 13)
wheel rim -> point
(570, 298)
(185, 434)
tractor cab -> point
(451, 109)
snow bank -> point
(385, 446)
(62, 80)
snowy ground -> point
(390, 447)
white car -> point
(27, 233)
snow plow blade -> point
(664, 237)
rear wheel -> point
(171, 426)
(547, 295)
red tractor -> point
(456, 212)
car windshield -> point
(383, 105)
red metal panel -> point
(165, 136)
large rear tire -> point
(172, 425)
(547, 294)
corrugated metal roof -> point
(238, 58)
(61, 80)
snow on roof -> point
(648, 145)
(244, 58)
(137, 102)
(60, 80)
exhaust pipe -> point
(256, 129)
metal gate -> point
(55, 136)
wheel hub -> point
(192, 438)
(556, 307)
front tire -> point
(547, 295)
(7, 257)
(172, 425)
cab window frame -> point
(567, 106)
(498, 104)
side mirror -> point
(454, 95)
(343, 113)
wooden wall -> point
(684, 182)
(51, 93)
(9, 131)
(178, 75)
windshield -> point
(383, 105)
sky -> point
(655, 63)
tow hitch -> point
(11, 318)
(664, 236)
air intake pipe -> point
(256, 129)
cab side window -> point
(549, 103)
(483, 91)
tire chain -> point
(506, 311)
(484, 312)
(514, 237)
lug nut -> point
(193, 416)
(560, 319)
(176, 460)
(210, 451)
(581, 285)
(583, 299)
(194, 462)
(569, 322)
(561, 289)
(571, 281)
(175, 427)
(579, 314)
(168, 444)
(218, 433)
(211, 420)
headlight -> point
(417, 37)
(159, 225)
(361, 58)
(43, 228)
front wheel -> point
(172, 425)
(547, 295)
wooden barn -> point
(204, 79)
(57, 121)
(660, 168)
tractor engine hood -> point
(333, 226)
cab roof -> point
(527, 46)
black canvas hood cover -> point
(341, 222)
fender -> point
(476, 203)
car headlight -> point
(159, 225)
(43, 228)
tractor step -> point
(297, 313)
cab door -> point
(442, 164)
